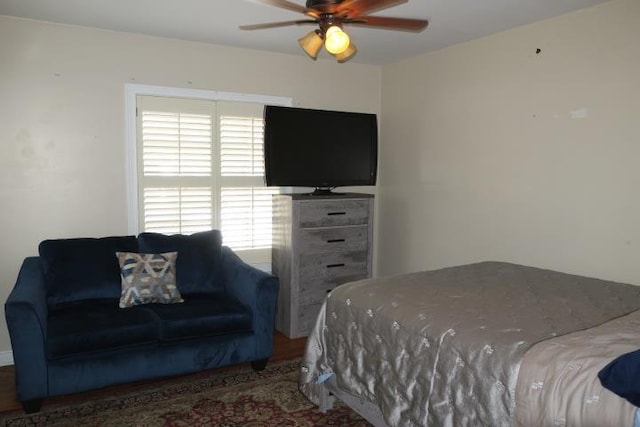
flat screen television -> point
(319, 148)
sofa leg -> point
(32, 406)
(259, 365)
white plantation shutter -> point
(177, 210)
(176, 144)
(245, 203)
(201, 166)
(241, 146)
(246, 217)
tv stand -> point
(324, 191)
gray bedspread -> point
(443, 347)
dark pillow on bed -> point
(622, 376)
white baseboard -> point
(6, 358)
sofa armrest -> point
(26, 315)
(256, 289)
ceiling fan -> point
(331, 15)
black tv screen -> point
(319, 148)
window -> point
(199, 166)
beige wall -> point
(62, 167)
(494, 152)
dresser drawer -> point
(334, 213)
(307, 316)
(332, 266)
(341, 239)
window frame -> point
(131, 155)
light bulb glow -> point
(336, 41)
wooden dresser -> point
(319, 242)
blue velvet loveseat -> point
(69, 333)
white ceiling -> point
(217, 21)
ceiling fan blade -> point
(284, 4)
(401, 24)
(351, 8)
(277, 24)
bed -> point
(491, 343)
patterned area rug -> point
(237, 397)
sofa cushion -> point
(92, 326)
(199, 258)
(83, 269)
(201, 316)
(148, 278)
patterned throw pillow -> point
(148, 278)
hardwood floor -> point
(284, 348)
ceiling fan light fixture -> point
(336, 41)
(347, 54)
(311, 43)
(329, 15)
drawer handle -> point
(335, 240)
(336, 213)
(335, 265)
